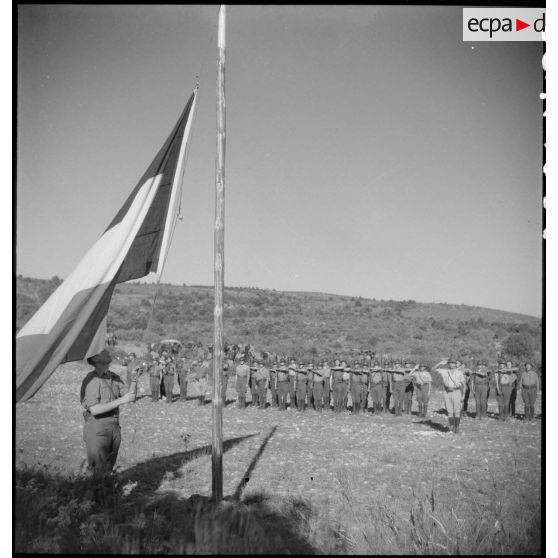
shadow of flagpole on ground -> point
(252, 466)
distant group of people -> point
(369, 384)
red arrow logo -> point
(519, 25)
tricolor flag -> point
(71, 324)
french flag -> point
(71, 324)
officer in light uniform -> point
(479, 388)
(282, 384)
(242, 375)
(378, 379)
(422, 380)
(454, 390)
(529, 386)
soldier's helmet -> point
(282, 362)
(241, 360)
(451, 360)
(132, 355)
(422, 366)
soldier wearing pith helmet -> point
(454, 390)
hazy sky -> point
(370, 151)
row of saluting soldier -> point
(320, 386)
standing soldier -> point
(409, 387)
(292, 382)
(309, 384)
(225, 380)
(273, 385)
(423, 381)
(301, 374)
(355, 388)
(155, 375)
(506, 379)
(399, 384)
(499, 394)
(254, 383)
(364, 379)
(182, 373)
(513, 395)
(479, 388)
(388, 386)
(262, 378)
(337, 385)
(467, 373)
(242, 375)
(529, 385)
(378, 379)
(282, 384)
(326, 374)
(168, 378)
(346, 381)
(318, 386)
(454, 385)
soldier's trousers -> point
(154, 385)
(183, 384)
(481, 399)
(338, 395)
(506, 396)
(254, 390)
(452, 400)
(355, 396)
(513, 399)
(168, 380)
(398, 397)
(274, 395)
(529, 395)
(363, 397)
(262, 393)
(345, 394)
(466, 400)
(317, 392)
(377, 394)
(102, 442)
(224, 388)
(408, 398)
(301, 396)
(387, 397)
(326, 395)
(282, 391)
(241, 385)
(292, 394)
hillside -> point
(303, 323)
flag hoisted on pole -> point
(219, 271)
(71, 324)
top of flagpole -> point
(222, 18)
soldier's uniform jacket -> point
(453, 378)
(505, 378)
(301, 374)
(282, 374)
(529, 378)
(262, 373)
(398, 374)
(273, 376)
(169, 369)
(337, 373)
(378, 377)
(156, 370)
(318, 375)
(422, 377)
(480, 375)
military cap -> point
(282, 362)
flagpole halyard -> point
(219, 270)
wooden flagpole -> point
(219, 271)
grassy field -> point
(294, 482)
